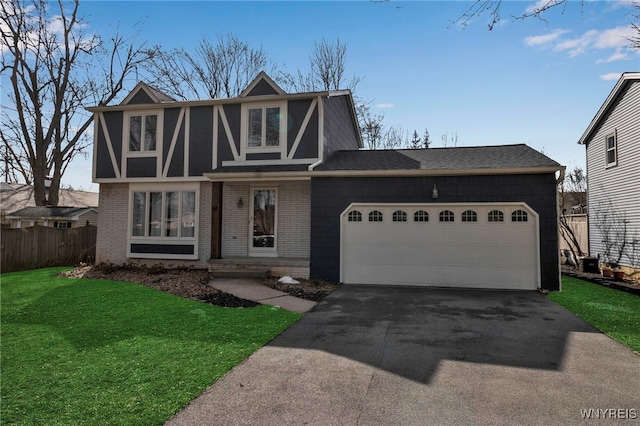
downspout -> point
(559, 180)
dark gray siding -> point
(176, 167)
(264, 156)
(170, 122)
(262, 88)
(224, 151)
(232, 112)
(200, 140)
(141, 98)
(162, 249)
(339, 130)
(330, 196)
(104, 168)
(141, 167)
(297, 111)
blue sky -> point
(526, 81)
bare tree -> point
(493, 8)
(55, 68)
(426, 138)
(415, 142)
(327, 69)
(215, 69)
(573, 198)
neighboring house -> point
(612, 142)
(280, 179)
(14, 197)
(54, 217)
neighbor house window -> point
(496, 216)
(355, 216)
(263, 126)
(399, 216)
(421, 216)
(62, 225)
(143, 132)
(447, 216)
(375, 216)
(163, 214)
(612, 149)
(469, 216)
(519, 216)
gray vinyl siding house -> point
(612, 143)
(280, 180)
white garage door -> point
(486, 245)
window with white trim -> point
(612, 149)
(421, 216)
(519, 216)
(62, 225)
(446, 216)
(264, 126)
(142, 132)
(354, 216)
(163, 214)
(469, 216)
(399, 216)
(375, 216)
(495, 216)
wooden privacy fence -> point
(40, 246)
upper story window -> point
(612, 149)
(264, 126)
(143, 132)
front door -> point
(262, 222)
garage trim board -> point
(466, 245)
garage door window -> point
(375, 216)
(469, 216)
(421, 216)
(496, 216)
(355, 216)
(447, 216)
(399, 216)
(519, 216)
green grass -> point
(614, 312)
(78, 351)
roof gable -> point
(625, 80)
(145, 94)
(262, 85)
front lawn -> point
(80, 351)
(614, 312)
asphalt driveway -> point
(377, 355)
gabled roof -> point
(49, 212)
(145, 94)
(625, 79)
(22, 196)
(262, 85)
(509, 157)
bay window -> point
(169, 214)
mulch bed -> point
(628, 284)
(193, 283)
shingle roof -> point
(48, 212)
(462, 158)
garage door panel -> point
(478, 254)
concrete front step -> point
(240, 273)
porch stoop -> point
(259, 267)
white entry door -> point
(484, 245)
(263, 223)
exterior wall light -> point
(434, 192)
(240, 203)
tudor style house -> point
(612, 143)
(281, 180)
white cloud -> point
(385, 106)
(611, 76)
(613, 38)
(544, 38)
